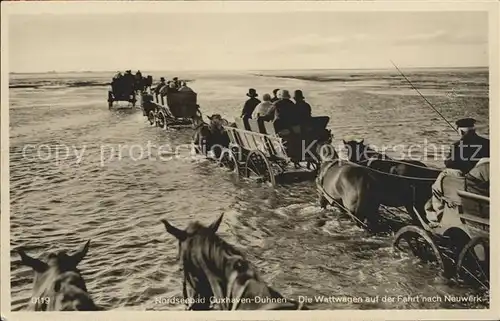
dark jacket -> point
(284, 113)
(158, 87)
(303, 110)
(466, 152)
(274, 99)
(129, 81)
(249, 107)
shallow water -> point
(118, 201)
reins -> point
(393, 175)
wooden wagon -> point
(459, 242)
(173, 110)
(116, 94)
(258, 150)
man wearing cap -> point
(250, 104)
(275, 97)
(471, 147)
(303, 108)
(464, 156)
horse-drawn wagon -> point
(121, 93)
(457, 243)
(177, 109)
(258, 150)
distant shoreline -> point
(361, 70)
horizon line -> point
(243, 70)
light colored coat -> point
(262, 109)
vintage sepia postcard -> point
(282, 161)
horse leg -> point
(365, 209)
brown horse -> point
(210, 137)
(408, 184)
(58, 284)
(352, 187)
(217, 273)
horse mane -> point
(205, 245)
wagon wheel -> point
(161, 120)
(151, 117)
(474, 262)
(228, 160)
(417, 241)
(258, 165)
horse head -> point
(357, 151)
(214, 268)
(58, 284)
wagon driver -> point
(465, 154)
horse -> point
(217, 273)
(408, 184)
(352, 187)
(210, 137)
(58, 284)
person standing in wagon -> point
(250, 104)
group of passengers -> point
(280, 108)
(127, 82)
(171, 86)
(124, 82)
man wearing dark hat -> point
(250, 104)
(471, 147)
(275, 95)
(302, 107)
(160, 85)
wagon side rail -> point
(270, 145)
(475, 211)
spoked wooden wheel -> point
(228, 160)
(161, 120)
(417, 242)
(474, 262)
(151, 117)
(258, 165)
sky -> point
(246, 41)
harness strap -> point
(239, 293)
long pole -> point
(454, 128)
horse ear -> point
(345, 143)
(178, 233)
(78, 256)
(210, 117)
(215, 225)
(362, 141)
(35, 264)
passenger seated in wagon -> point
(466, 163)
(184, 87)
